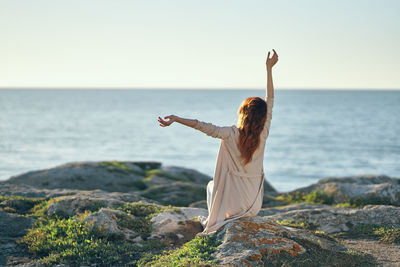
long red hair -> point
(252, 115)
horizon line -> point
(195, 88)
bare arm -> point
(205, 127)
(271, 61)
(173, 118)
(270, 91)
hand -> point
(272, 61)
(171, 119)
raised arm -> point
(270, 91)
(271, 61)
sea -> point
(314, 134)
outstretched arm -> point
(271, 61)
(205, 127)
(173, 118)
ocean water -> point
(314, 134)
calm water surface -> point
(314, 134)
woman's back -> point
(238, 185)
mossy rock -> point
(176, 194)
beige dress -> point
(236, 190)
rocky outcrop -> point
(364, 189)
(258, 241)
(149, 181)
(331, 219)
(108, 176)
(177, 227)
(177, 193)
(13, 226)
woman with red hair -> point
(238, 186)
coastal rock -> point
(14, 225)
(331, 219)
(179, 194)
(31, 191)
(167, 185)
(71, 205)
(255, 241)
(108, 223)
(177, 227)
(189, 174)
(109, 176)
(368, 189)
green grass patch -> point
(54, 239)
(384, 233)
(197, 252)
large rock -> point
(67, 206)
(107, 222)
(108, 176)
(31, 191)
(167, 185)
(257, 241)
(369, 189)
(334, 219)
(14, 225)
(179, 194)
(190, 174)
(177, 227)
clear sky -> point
(199, 44)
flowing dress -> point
(237, 190)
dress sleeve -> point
(213, 130)
(270, 105)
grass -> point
(196, 252)
(383, 233)
(54, 239)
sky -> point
(352, 44)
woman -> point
(238, 185)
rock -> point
(14, 225)
(70, 205)
(255, 241)
(179, 194)
(111, 176)
(190, 174)
(199, 204)
(176, 228)
(366, 189)
(334, 219)
(31, 191)
(268, 188)
(106, 221)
